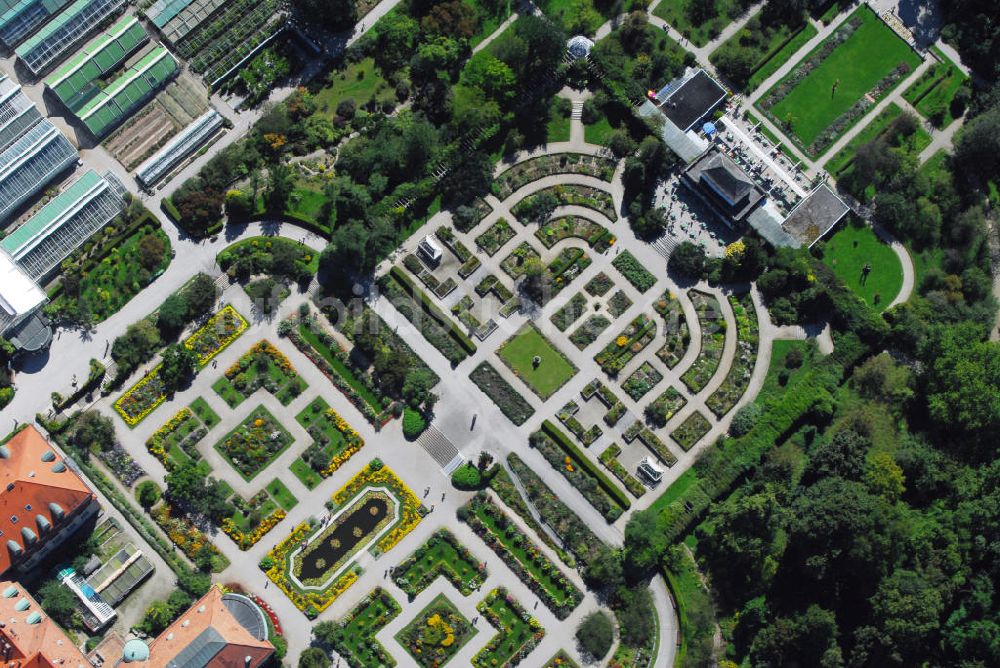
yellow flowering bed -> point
(374, 475)
(269, 349)
(185, 535)
(156, 444)
(351, 437)
(212, 338)
(246, 540)
(310, 602)
(142, 398)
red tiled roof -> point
(36, 487)
(209, 613)
(35, 640)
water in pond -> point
(354, 528)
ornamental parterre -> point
(373, 511)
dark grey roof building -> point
(725, 185)
(815, 216)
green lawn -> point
(314, 415)
(280, 493)
(513, 634)
(850, 249)
(558, 126)
(856, 65)
(578, 16)
(934, 91)
(782, 56)
(204, 412)
(356, 641)
(437, 556)
(489, 21)
(598, 133)
(305, 473)
(358, 81)
(553, 370)
(243, 522)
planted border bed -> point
(508, 400)
(588, 332)
(641, 381)
(574, 227)
(537, 207)
(518, 634)
(263, 366)
(531, 170)
(570, 312)
(256, 442)
(610, 460)
(633, 340)
(664, 407)
(495, 237)
(436, 634)
(439, 330)
(689, 432)
(748, 339)
(442, 555)
(576, 536)
(519, 553)
(634, 271)
(675, 329)
(355, 639)
(208, 341)
(606, 497)
(713, 341)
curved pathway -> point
(905, 261)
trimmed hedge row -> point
(584, 462)
(733, 458)
(433, 311)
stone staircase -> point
(577, 110)
(441, 449)
(664, 246)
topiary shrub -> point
(595, 634)
(744, 419)
(467, 477)
(413, 423)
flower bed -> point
(521, 555)
(561, 660)
(355, 640)
(713, 341)
(183, 533)
(586, 435)
(567, 227)
(212, 338)
(183, 431)
(469, 261)
(436, 634)
(493, 239)
(513, 265)
(508, 400)
(642, 380)
(247, 539)
(142, 398)
(255, 443)
(335, 440)
(618, 303)
(525, 172)
(675, 328)
(738, 378)
(538, 206)
(610, 459)
(441, 555)
(691, 430)
(278, 563)
(599, 285)
(588, 332)
(263, 366)
(664, 407)
(519, 632)
(503, 485)
(573, 467)
(577, 537)
(633, 271)
(632, 341)
(476, 211)
(569, 313)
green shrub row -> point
(732, 458)
(563, 441)
(433, 311)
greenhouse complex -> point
(33, 151)
(58, 38)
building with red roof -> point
(28, 638)
(42, 501)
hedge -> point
(432, 310)
(169, 208)
(583, 461)
(733, 458)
